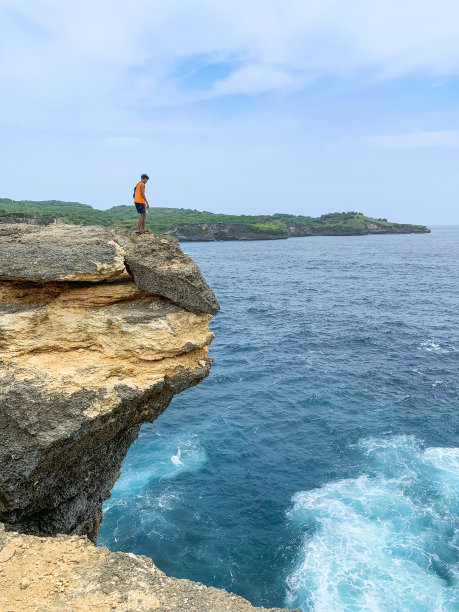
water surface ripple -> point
(317, 466)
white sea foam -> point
(189, 457)
(167, 499)
(387, 540)
(439, 383)
(430, 345)
(176, 458)
(163, 458)
(446, 459)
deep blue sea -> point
(318, 465)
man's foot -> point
(138, 232)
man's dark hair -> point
(145, 176)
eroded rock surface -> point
(94, 254)
(160, 267)
(88, 354)
(59, 253)
(68, 573)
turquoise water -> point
(317, 467)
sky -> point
(237, 106)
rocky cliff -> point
(355, 225)
(98, 330)
(209, 232)
(366, 226)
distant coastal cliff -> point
(359, 225)
(193, 225)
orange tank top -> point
(138, 194)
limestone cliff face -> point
(98, 330)
(210, 232)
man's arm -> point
(142, 191)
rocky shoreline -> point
(215, 232)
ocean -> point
(317, 466)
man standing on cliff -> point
(140, 202)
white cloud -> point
(77, 53)
(418, 140)
(258, 79)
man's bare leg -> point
(141, 223)
(144, 220)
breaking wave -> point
(162, 458)
(386, 540)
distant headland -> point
(193, 225)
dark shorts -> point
(140, 207)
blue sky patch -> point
(202, 71)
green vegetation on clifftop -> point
(190, 224)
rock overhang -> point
(98, 331)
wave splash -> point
(387, 540)
(162, 458)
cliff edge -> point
(98, 330)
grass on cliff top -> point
(163, 219)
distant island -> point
(193, 225)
